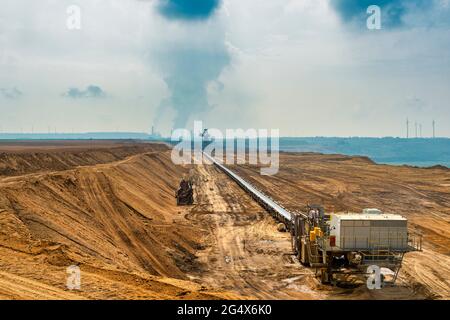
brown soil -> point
(343, 183)
(116, 219)
(109, 207)
(245, 254)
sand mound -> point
(110, 210)
(343, 183)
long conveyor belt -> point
(265, 201)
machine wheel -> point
(325, 276)
(294, 244)
(303, 254)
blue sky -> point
(307, 67)
(394, 11)
(188, 10)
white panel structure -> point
(369, 231)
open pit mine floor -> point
(109, 208)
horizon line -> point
(168, 137)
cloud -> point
(10, 93)
(188, 72)
(190, 57)
(276, 61)
(393, 12)
(91, 91)
(416, 105)
(188, 9)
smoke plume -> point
(191, 58)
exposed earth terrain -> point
(109, 208)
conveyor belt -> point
(264, 200)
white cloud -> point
(294, 65)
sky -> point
(306, 67)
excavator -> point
(185, 193)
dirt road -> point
(112, 212)
(245, 253)
(343, 183)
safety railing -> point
(415, 241)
